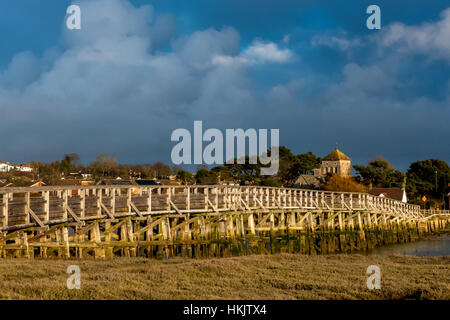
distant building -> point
(334, 163)
(307, 181)
(142, 182)
(38, 184)
(391, 193)
(115, 182)
(25, 167)
(6, 167)
(9, 167)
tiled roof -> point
(336, 154)
(307, 180)
(392, 193)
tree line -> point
(429, 178)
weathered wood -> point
(202, 221)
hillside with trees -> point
(429, 178)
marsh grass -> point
(281, 276)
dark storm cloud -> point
(128, 79)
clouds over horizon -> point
(129, 77)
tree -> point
(70, 163)
(184, 176)
(105, 164)
(430, 178)
(205, 176)
(380, 173)
(291, 166)
(161, 170)
(344, 184)
(308, 162)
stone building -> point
(335, 163)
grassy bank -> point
(254, 277)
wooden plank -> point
(136, 209)
(36, 218)
(174, 206)
(72, 214)
(110, 215)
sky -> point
(137, 70)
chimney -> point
(370, 185)
(404, 183)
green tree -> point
(70, 163)
(428, 178)
(184, 176)
(205, 176)
(291, 165)
(380, 174)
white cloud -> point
(258, 52)
(431, 39)
(266, 52)
(340, 43)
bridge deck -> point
(49, 205)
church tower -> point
(336, 162)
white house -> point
(392, 193)
(25, 167)
(6, 167)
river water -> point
(433, 247)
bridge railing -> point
(431, 212)
(53, 204)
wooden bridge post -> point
(109, 250)
(5, 208)
(99, 251)
(27, 208)
(99, 195)
(130, 237)
(251, 224)
(361, 227)
(82, 193)
(149, 199)
(129, 200)
(65, 203)
(65, 242)
(47, 206)
(125, 249)
(113, 192)
(166, 236)
(342, 237)
(18, 241)
(205, 190)
(230, 226)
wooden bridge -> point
(201, 221)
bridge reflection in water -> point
(201, 221)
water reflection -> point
(438, 246)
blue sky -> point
(140, 69)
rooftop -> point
(392, 193)
(336, 154)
